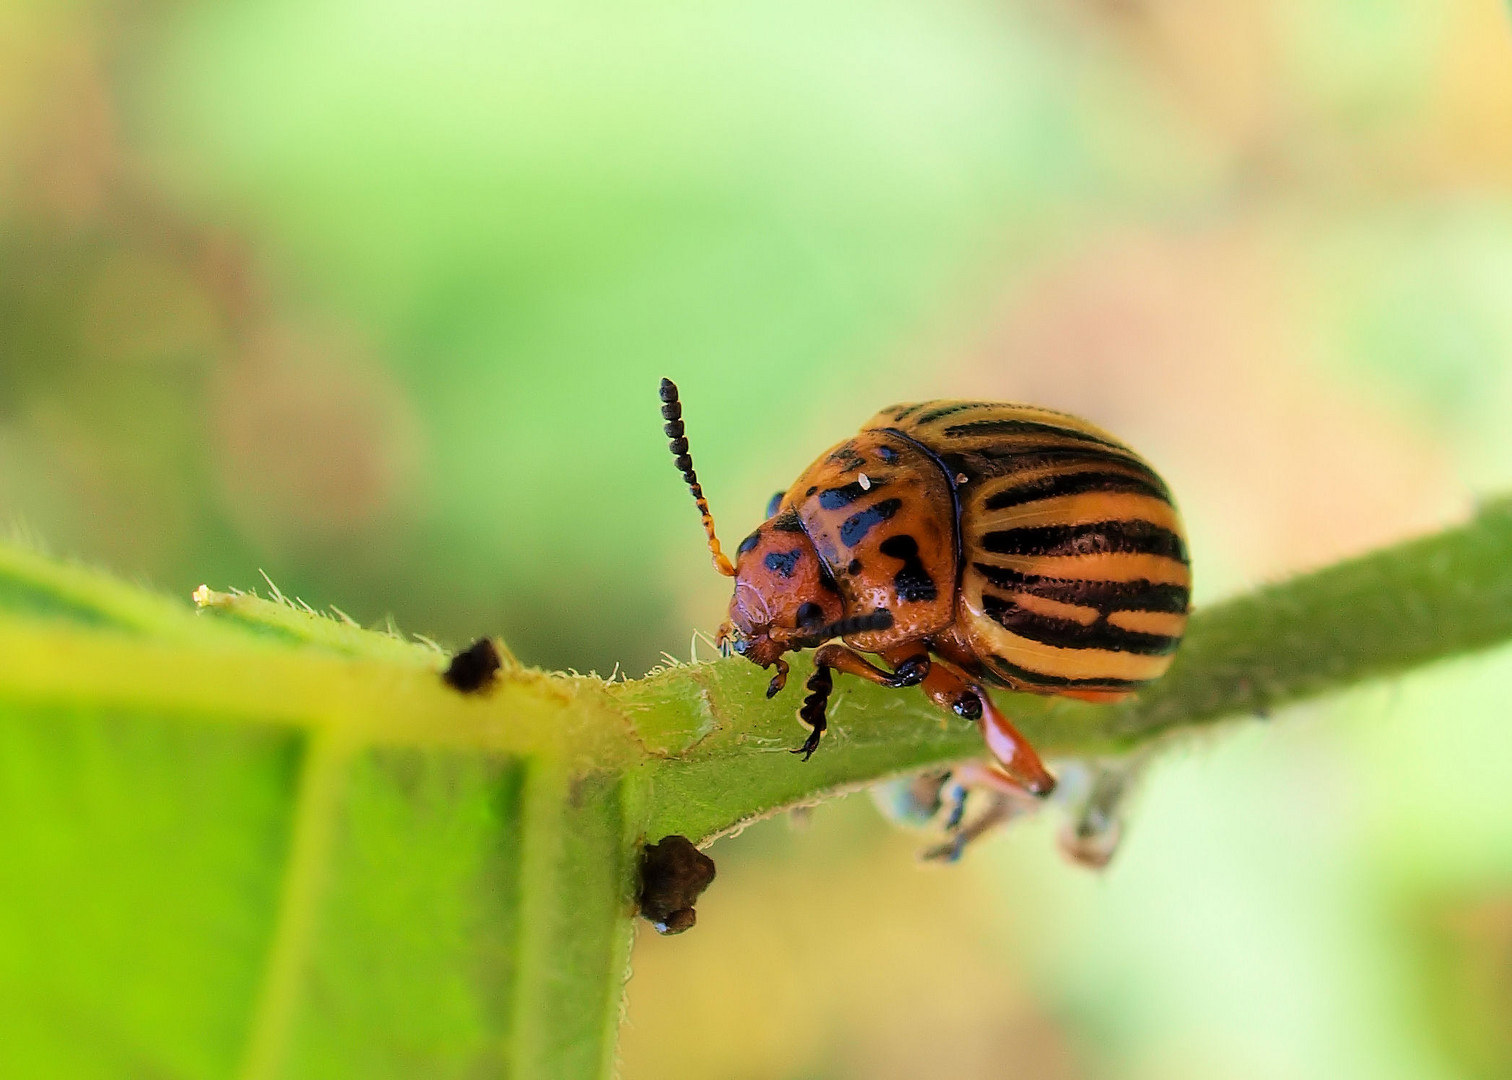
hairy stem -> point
(1379, 615)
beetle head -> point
(784, 594)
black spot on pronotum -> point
(810, 614)
(912, 581)
(854, 529)
(749, 543)
(783, 562)
(854, 567)
(835, 498)
(674, 874)
(474, 668)
(887, 454)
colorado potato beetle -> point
(964, 543)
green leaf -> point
(260, 843)
(252, 841)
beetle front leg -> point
(909, 670)
(811, 712)
(779, 680)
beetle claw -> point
(948, 852)
(810, 744)
(957, 810)
(779, 680)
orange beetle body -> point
(963, 543)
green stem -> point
(1379, 615)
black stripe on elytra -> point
(788, 521)
(912, 582)
(947, 410)
(1106, 596)
(988, 428)
(1058, 484)
(1024, 676)
(835, 498)
(1069, 634)
(854, 529)
(783, 562)
(1130, 537)
(989, 463)
(904, 411)
(1044, 455)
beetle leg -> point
(949, 688)
(1004, 799)
(1014, 755)
(811, 712)
(957, 797)
(1001, 809)
(1091, 836)
(910, 670)
(779, 680)
(910, 667)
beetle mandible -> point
(964, 543)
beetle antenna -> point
(672, 414)
(881, 619)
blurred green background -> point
(374, 296)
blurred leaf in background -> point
(1467, 956)
(374, 297)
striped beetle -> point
(963, 542)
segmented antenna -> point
(672, 414)
(881, 619)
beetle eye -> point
(773, 503)
(740, 646)
(810, 614)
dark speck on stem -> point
(673, 875)
(473, 669)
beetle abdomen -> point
(1074, 573)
